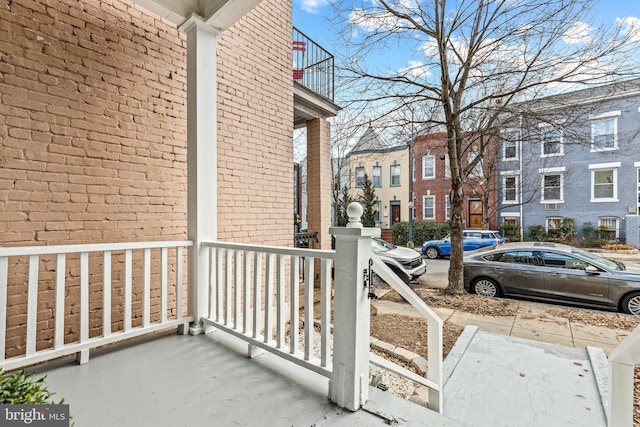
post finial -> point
(354, 212)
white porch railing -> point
(15, 261)
(434, 380)
(254, 295)
(621, 377)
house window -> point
(510, 189)
(429, 207)
(604, 182)
(447, 167)
(376, 210)
(413, 170)
(359, 177)
(447, 208)
(604, 131)
(608, 227)
(551, 142)
(395, 175)
(552, 188)
(553, 225)
(428, 167)
(510, 146)
(377, 176)
(477, 171)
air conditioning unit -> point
(551, 207)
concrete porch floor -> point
(207, 380)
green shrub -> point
(22, 388)
(567, 231)
(421, 230)
(537, 233)
(510, 231)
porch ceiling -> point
(219, 14)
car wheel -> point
(432, 252)
(486, 288)
(631, 304)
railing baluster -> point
(308, 308)
(32, 305)
(325, 317)
(237, 285)
(280, 302)
(128, 289)
(60, 290)
(247, 293)
(213, 274)
(228, 272)
(179, 284)
(294, 304)
(4, 274)
(84, 296)
(164, 255)
(218, 284)
(106, 293)
(146, 291)
(257, 284)
(268, 300)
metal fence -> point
(313, 66)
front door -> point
(395, 214)
(475, 214)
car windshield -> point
(597, 259)
(378, 245)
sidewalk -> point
(532, 322)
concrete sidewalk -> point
(536, 368)
(533, 321)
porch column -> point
(202, 170)
(349, 383)
(319, 180)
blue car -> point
(473, 239)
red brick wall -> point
(93, 140)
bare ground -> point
(411, 333)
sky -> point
(310, 17)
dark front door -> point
(395, 214)
(475, 214)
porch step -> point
(542, 384)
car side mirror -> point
(590, 269)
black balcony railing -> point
(313, 66)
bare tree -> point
(471, 62)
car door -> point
(566, 279)
(519, 272)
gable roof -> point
(370, 142)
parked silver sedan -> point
(552, 272)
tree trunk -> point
(456, 226)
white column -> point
(349, 384)
(202, 171)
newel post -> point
(349, 384)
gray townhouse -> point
(575, 155)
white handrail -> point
(434, 334)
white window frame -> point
(617, 223)
(543, 129)
(611, 115)
(552, 171)
(555, 217)
(424, 167)
(516, 176)
(509, 135)
(447, 208)
(373, 178)
(424, 208)
(360, 168)
(613, 166)
(391, 175)
(478, 169)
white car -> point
(406, 263)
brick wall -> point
(93, 140)
(256, 128)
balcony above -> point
(313, 80)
